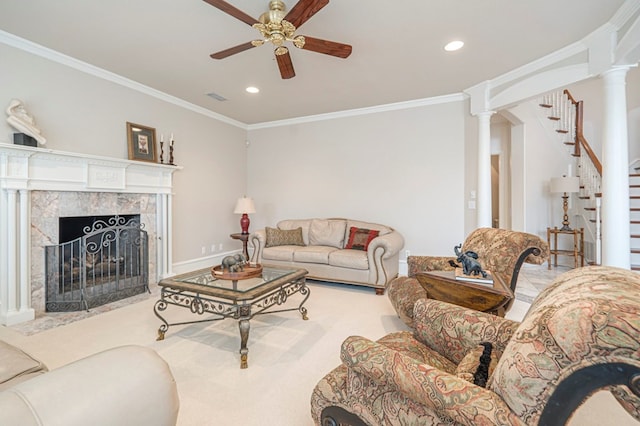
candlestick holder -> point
(161, 152)
(171, 155)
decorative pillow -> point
(478, 364)
(325, 232)
(359, 238)
(281, 237)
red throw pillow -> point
(359, 238)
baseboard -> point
(201, 262)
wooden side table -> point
(442, 285)
(244, 238)
(578, 246)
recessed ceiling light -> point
(252, 89)
(454, 45)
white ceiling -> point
(397, 47)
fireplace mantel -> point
(24, 169)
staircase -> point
(566, 114)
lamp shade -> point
(565, 184)
(244, 205)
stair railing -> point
(567, 113)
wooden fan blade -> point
(232, 50)
(286, 66)
(303, 10)
(327, 47)
(233, 11)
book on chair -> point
(479, 279)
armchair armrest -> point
(258, 241)
(128, 385)
(446, 395)
(452, 330)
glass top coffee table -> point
(204, 293)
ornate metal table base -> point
(241, 310)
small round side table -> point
(244, 238)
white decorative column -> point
(484, 170)
(616, 228)
(165, 254)
(26, 312)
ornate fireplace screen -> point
(109, 262)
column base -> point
(12, 318)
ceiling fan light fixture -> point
(453, 45)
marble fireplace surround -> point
(38, 186)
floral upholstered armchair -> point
(499, 250)
(581, 334)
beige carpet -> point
(287, 356)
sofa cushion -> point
(360, 238)
(313, 254)
(17, 366)
(353, 259)
(327, 232)
(297, 223)
(283, 237)
(282, 253)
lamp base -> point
(565, 218)
(244, 223)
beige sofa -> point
(336, 250)
(128, 385)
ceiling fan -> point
(277, 27)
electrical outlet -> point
(204, 250)
(407, 253)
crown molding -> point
(55, 56)
(456, 97)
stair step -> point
(635, 222)
(546, 105)
(562, 131)
(634, 186)
(635, 197)
(554, 118)
(635, 267)
(569, 143)
(590, 209)
(635, 235)
(635, 209)
(634, 174)
(635, 250)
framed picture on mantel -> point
(142, 142)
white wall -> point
(402, 168)
(536, 158)
(79, 112)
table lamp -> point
(566, 185)
(244, 206)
